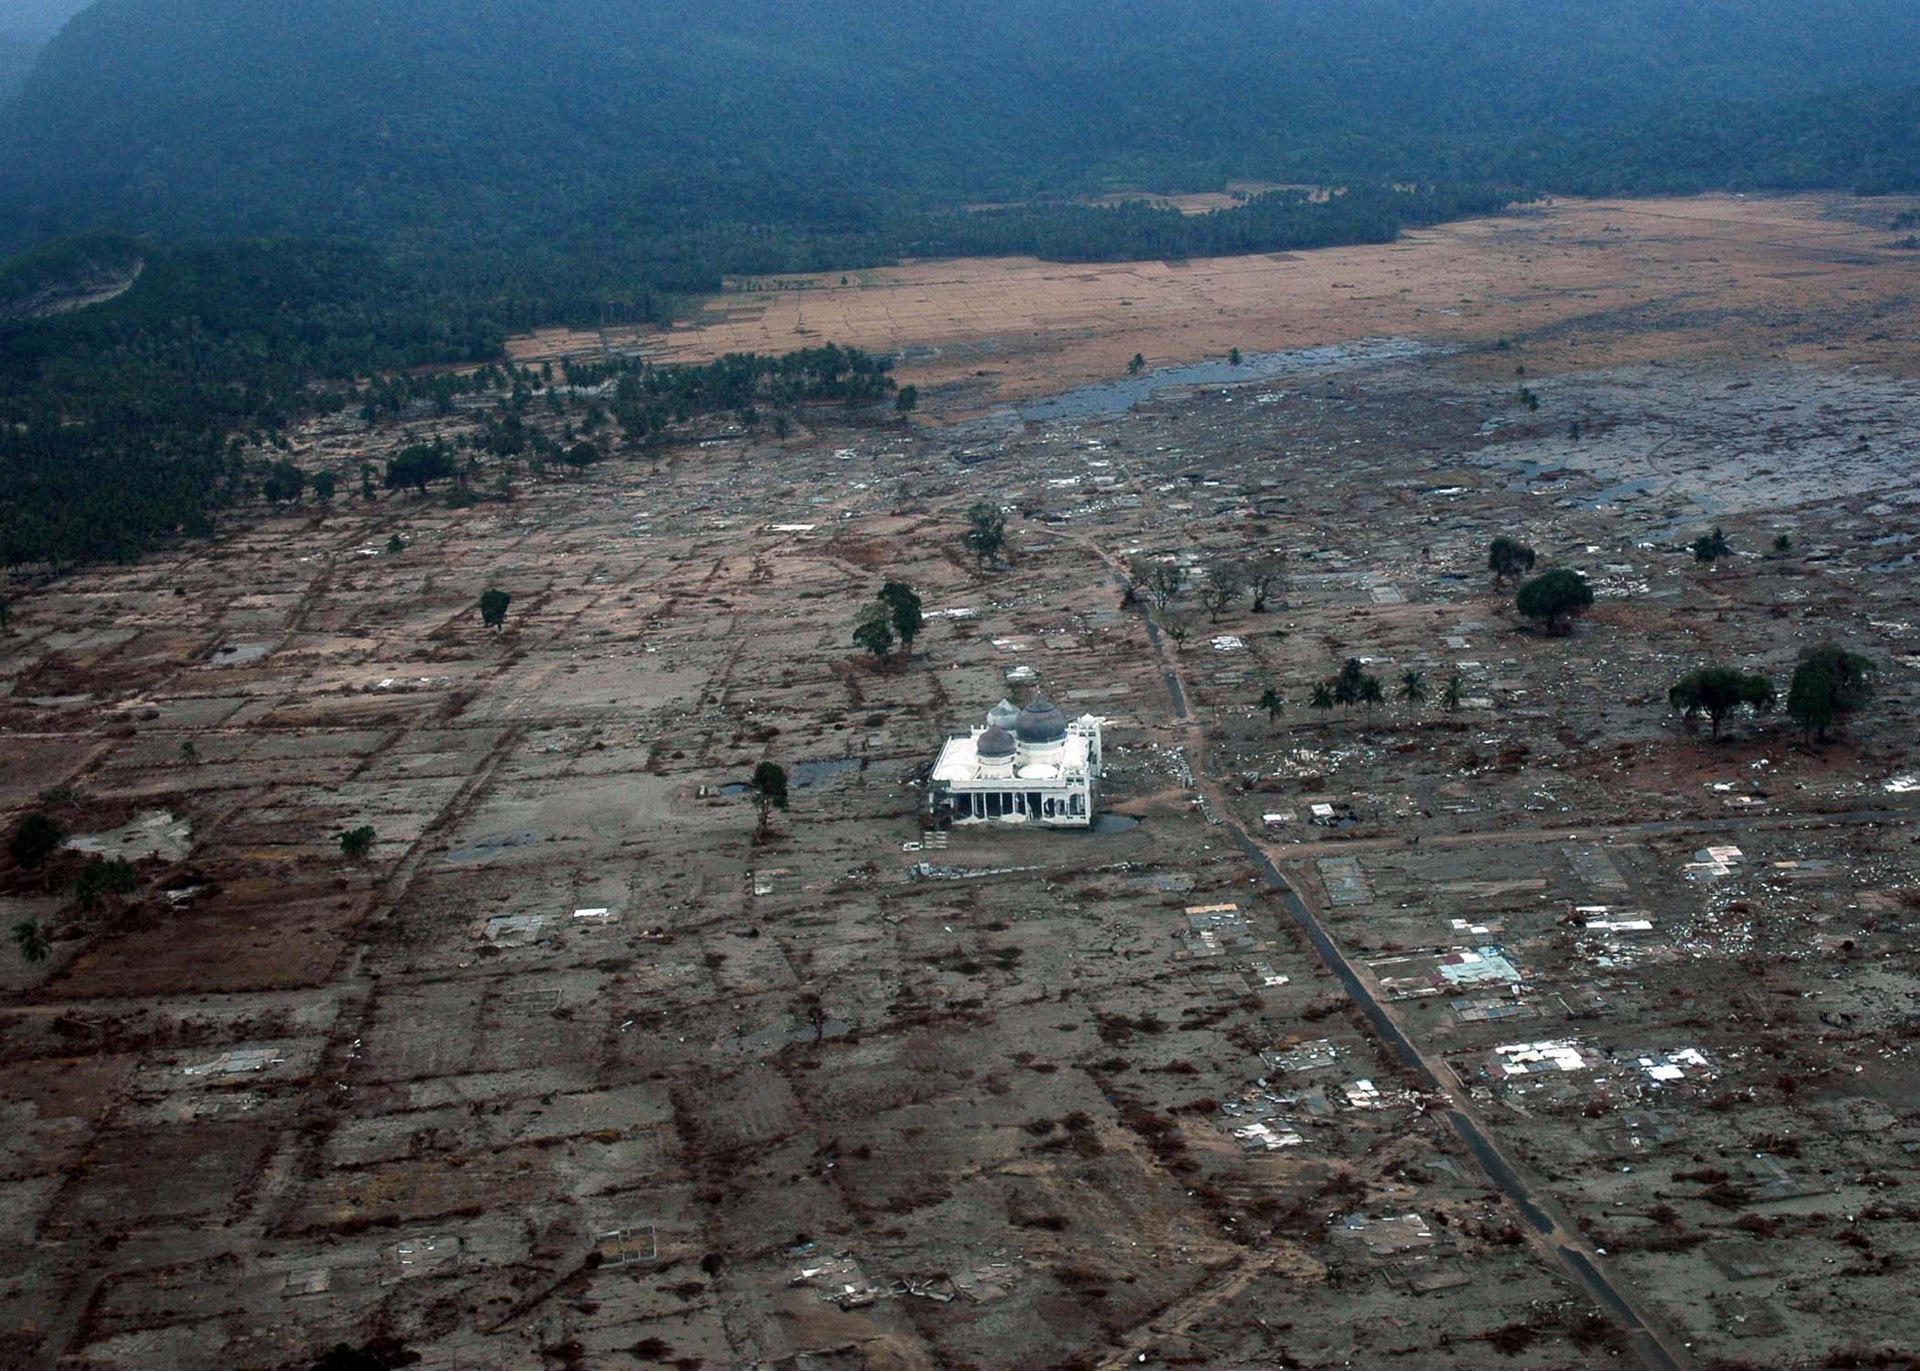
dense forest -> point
(325, 191)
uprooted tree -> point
(1717, 691)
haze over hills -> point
(329, 189)
(482, 121)
(25, 26)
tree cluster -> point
(893, 616)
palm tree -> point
(1346, 686)
(32, 941)
(1413, 689)
(1452, 695)
(1370, 693)
(1322, 697)
(1275, 706)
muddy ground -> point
(570, 1070)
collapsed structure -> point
(1026, 765)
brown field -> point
(1547, 1002)
(1589, 283)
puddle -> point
(1117, 397)
(779, 1036)
(803, 775)
(154, 833)
(1113, 823)
(488, 847)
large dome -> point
(1041, 722)
(995, 743)
(1004, 715)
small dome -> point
(1041, 722)
(994, 743)
(1004, 715)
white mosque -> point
(1028, 765)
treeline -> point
(141, 418)
(1277, 221)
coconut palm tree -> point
(1413, 689)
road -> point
(1553, 1233)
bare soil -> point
(867, 1094)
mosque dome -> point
(1040, 722)
(995, 744)
(1004, 715)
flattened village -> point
(1210, 911)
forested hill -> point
(462, 122)
(319, 192)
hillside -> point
(325, 190)
(577, 121)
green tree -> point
(1321, 698)
(1137, 365)
(1274, 703)
(769, 789)
(30, 937)
(1413, 689)
(1452, 697)
(1829, 685)
(325, 483)
(1718, 691)
(1555, 597)
(1711, 547)
(36, 839)
(1347, 683)
(581, 456)
(356, 843)
(493, 607)
(874, 631)
(395, 545)
(366, 482)
(903, 612)
(1508, 557)
(907, 400)
(283, 483)
(1782, 544)
(417, 465)
(1372, 694)
(1233, 357)
(100, 878)
(986, 535)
